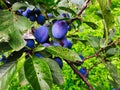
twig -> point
(80, 75)
(102, 49)
(83, 7)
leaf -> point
(12, 25)
(64, 53)
(16, 40)
(91, 24)
(112, 33)
(55, 71)
(6, 74)
(114, 74)
(38, 73)
(68, 10)
(111, 51)
(4, 46)
(18, 5)
(94, 42)
(39, 48)
(106, 13)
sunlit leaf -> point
(63, 53)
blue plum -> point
(30, 43)
(66, 43)
(59, 29)
(37, 11)
(38, 55)
(59, 61)
(49, 15)
(26, 12)
(4, 59)
(41, 34)
(40, 19)
(32, 18)
(55, 43)
(83, 71)
(46, 44)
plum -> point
(46, 44)
(49, 15)
(26, 12)
(55, 43)
(40, 19)
(83, 71)
(59, 61)
(38, 55)
(66, 43)
(30, 43)
(41, 34)
(59, 29)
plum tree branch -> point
(79, 74)
(102, 49)
(84, 6)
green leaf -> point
(4, 46)
(94, 42)
(6, 74)
(56, 71)
(38, 73)
(106, 13)
(12, 25)
(111, 51)
(39, 48)
(68, 10)
(18, 5)
(91, 24)
(16, 40)
(64, 53)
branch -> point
(102, 49)
(83, 7)
(80, 75)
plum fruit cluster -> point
(34, 15)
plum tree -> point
(59, 61)
(59, 29)
(41, 34)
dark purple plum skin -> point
(41, 34)
(59, 29)
(59, 61)
(30, 43)
(40, 19)
(66, 43)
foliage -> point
(92, 31)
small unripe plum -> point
(41, 34)
(30, 43)
(66, 43)
(40, 19)
(59, 61)
(59, 29)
